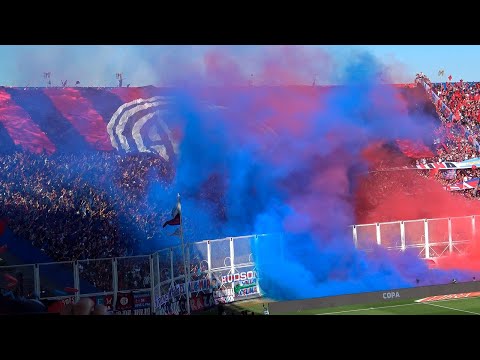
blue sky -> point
(96, 65)
(460, 61)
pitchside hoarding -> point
(460, 289)
(205, 293)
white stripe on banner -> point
(136, 114)
(467, 164)
(113, 119)
(146, 116)
(126, 116)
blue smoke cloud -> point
(284, 161)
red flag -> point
(174, 221)
(176, 214)
(449, 77)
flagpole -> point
(186, 270)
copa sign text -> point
(391, 295)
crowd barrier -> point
(219, 271)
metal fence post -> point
(232, 265)
(355, 236)
(115, 283)
(152, 287)
(427, 243)
(158, 278)
(209, 260)
(232, 258)
(379, 236)
(402, 235)
(450, 242)
(76, 280)
(187, 278)
(257, 275)
(36, 280)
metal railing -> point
(220, 270)
(430, 237)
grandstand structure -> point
(219, 270)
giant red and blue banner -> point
(48, 120)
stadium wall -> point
(388, 295)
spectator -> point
(457, 137)
(85, 306)
(64, 205)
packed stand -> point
(83, 206)
(457, 138)
(92, 205)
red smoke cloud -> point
(469, 261)
(406, 195)
(293, 158)
(391, 196)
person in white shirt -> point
(265, 310)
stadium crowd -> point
(457, 136)
(84, 206)
(458, 109)
(72, 206)
(88, 206)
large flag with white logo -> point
(49, 120)
(126, 120)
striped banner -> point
(73, 119)
(467, 164)
(47, 120)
